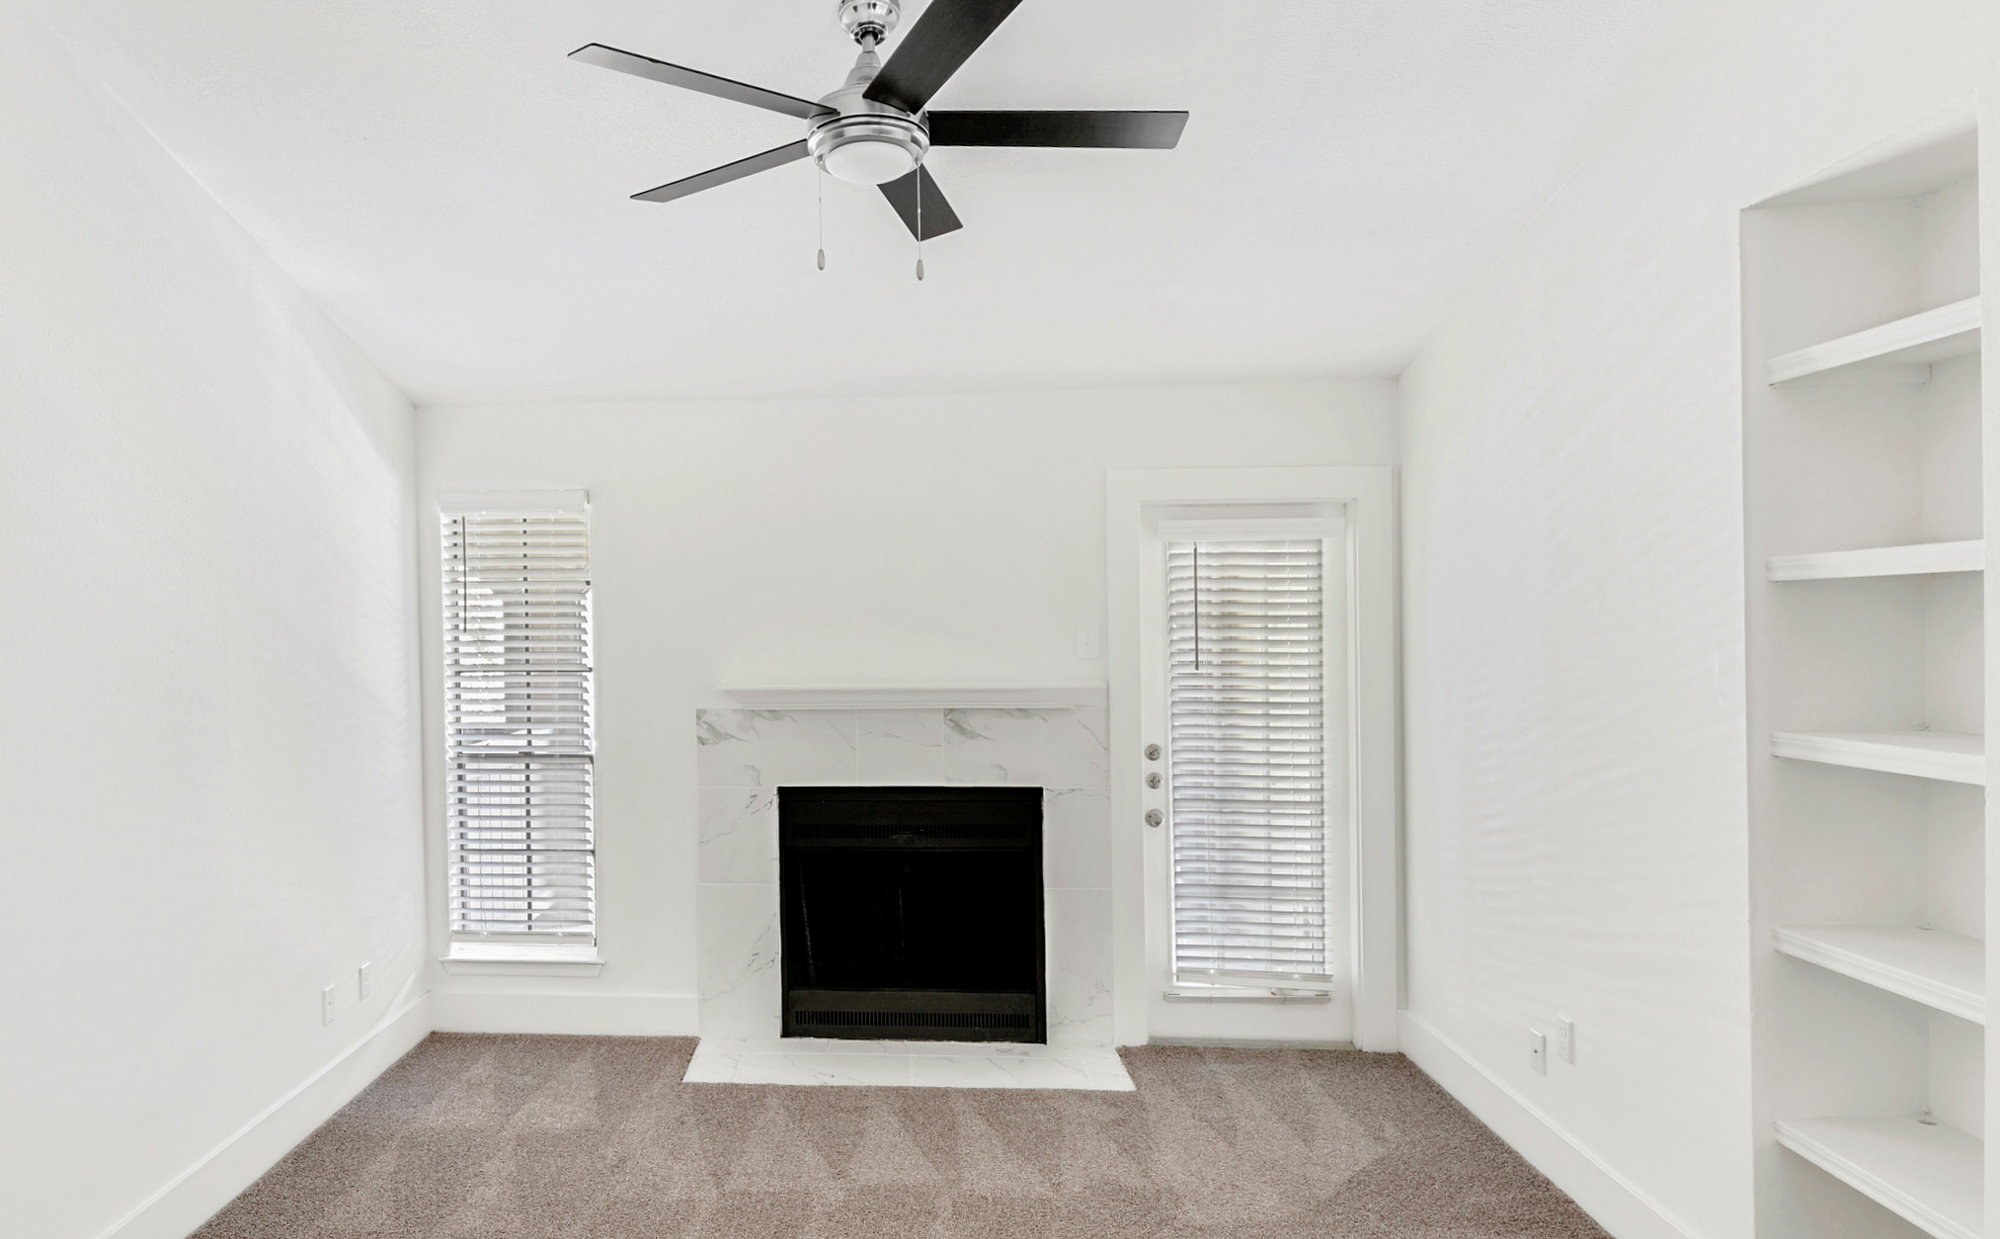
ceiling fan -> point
(876, 128)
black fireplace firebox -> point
(912, 913)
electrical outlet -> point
(365, 976)
(326, 1005)
(1086, 644)
(1566, 1038)
(1538, 1050)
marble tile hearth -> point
(908, 1064)
(744, 756)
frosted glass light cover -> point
(867, 162)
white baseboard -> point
(217, 1178)
(565, 1014)
(1617, 1204)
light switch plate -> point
(364, 975)
(326, 1005)
(1538, 1050)
(1566, 1038)
(1086, 644)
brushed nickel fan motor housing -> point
(861, 140)
(870, 21)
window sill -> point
(521, 959)
(1230, 993)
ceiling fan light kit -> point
(862, 141)
(876, 129)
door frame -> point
(1368, 494)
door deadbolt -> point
(1153, 817)
(1153, 779)
(1152, 752)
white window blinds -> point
(518, 723)
(1246, 702)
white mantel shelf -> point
(921, 697)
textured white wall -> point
(1576, 821)
(208, 747)
(943, 539)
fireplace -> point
(912, 913)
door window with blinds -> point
(518, 726)
(1255, 751)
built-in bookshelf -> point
(1864, 531)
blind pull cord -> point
(1197, 606)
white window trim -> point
(1234, 993)
(472, 502)
(1323, 528)
(1367, 493)
(530, 959)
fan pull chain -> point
(819, 179)
(920, 222)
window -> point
(1246, 706)
(518, 730)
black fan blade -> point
(728, 172)
(947, 33)
(692, 79)
(938, 216)
(1157, 131)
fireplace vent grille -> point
(913, 1019)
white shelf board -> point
(1934, 967)
(920, 697)
(1952, 756)
(1923, 558)
(1898, 352)
(1930, 1174)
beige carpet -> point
(490, 1137)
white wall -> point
(1576, 821)
(208, 747)
(944, 539)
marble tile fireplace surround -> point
(745, 755)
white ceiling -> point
(454, 191)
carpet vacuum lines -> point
(526, 1137)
